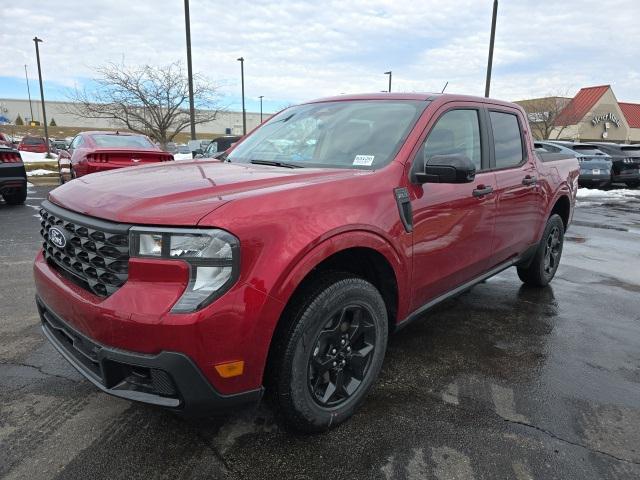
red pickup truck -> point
(194, 285)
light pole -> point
(28, 92)
(37, 40)
(487, 86)
(192, 111)
(389, 73)
(244, 112)
(261, 97)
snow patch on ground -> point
(182, 156)
(41, 171)
(31, 157)
(588, 197)
(614, 193)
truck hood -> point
(180, 193)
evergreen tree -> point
(19, 120)
(53, 123)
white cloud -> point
(300, 50)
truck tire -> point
(329, 351)
(16, 198)
(544, 264)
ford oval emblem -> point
(57, 237)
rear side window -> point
(457, 132)
(507, 138)
(77, 142)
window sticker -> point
(363, 160)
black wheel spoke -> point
(328, 393)
(359, 361)
(322, 365)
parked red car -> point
(5, 141)
(33, 144)
(91, 152)
(192, 285)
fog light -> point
(230, 369)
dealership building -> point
(594, 114)
(62, 113)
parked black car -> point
(13, 177)
(59, 144)
(626, 162)
(219, 145)
(595, 165)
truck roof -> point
(424, 96)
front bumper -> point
(166, 379)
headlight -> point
(213, 257)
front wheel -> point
(545, 262)
(331, 352)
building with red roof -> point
(594, 114)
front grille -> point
(96, 253)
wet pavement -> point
(502, 382)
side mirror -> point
(447, 169)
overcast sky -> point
(296, 51)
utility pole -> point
(244, 112)
(389, 73)
(261, 97)
(37, 40)
(28, 92)
(192, 111)
(487, 87)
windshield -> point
(344, 134)
(127, 141)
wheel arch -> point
(562, 207)
(363, 253)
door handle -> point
(481, 191)
(529, 180)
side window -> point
(76, 142)
(456, 132)
(507, 138)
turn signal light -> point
(230, 369)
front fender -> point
(306, 261)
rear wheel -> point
(545, 262)
(331, 352)
(17, 197)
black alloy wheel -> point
(552, 249)
(341, 356)
(327, 351)
(541, 269)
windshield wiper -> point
(275, 163)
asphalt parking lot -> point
(501, 382)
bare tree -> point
(543, 114)
(149, 100)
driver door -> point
(452, 223)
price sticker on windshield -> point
(363, 160)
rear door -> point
(519, 197)
(452, 223)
